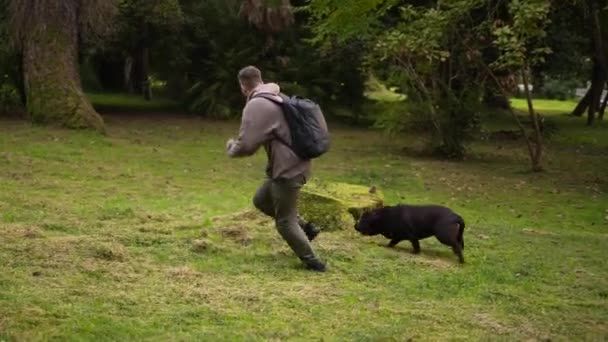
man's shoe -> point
(311, 231)
(316, 265)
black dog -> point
(413, 223)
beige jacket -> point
(262, 122)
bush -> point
(556, 89)
(455, 122)
(88, 78)
(9, 97)
(224, 43)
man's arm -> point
(256, 128)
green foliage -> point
(269, 16)
(399, 117)
(9, 77)
(424, 50)
(570, 42)
(341, 21)
(521, 42)
(221, 42)
(429, 49)
(421, 34)
(164, 15)
(439, 53)
(9, 98)
(88, 77)
(558, 89)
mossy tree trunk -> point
(50, 67)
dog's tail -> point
(461, 225)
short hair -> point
(250, 76)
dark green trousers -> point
(278, 198)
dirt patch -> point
(109, 251)
(155, 230)
(32, 233)
(537, 232)
(246, 215)
(200, 245)
(182, 272)
(488, 322)
(237, 234)
(434, 262)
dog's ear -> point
(372, 189)
(365, 213)
(370, 213)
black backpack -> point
(309, 134)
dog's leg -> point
(461, 231)
(448, 234)
(393, 243)
(416, 246)
(458, 251)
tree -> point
(144, 27)
(270, 17)
(521, 42)
(11, 85)
(47, 33)
(443, 52)
(223, 36)
(424, 47)
(595, 13)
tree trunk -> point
(522, 129)
(595, 92)
(600, 65)
(145, 81)
(128, 75)
(582, 104)
(144, 55)
(591, 101)
(598, 35)
(604, 103)
(18, 79)
(591, 109)
(50, 69)
(536, 157)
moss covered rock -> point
(331, 206)
(335, 206)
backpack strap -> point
(272, 98)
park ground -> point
(101, 238)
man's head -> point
(249, 78)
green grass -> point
(377, 91)
(129, 102)
(98, 241)
(572, 132)
(545, 106)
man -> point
(263, 123)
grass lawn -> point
(377, 91)
(545, 106)
(127, 102)
(97, 232)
